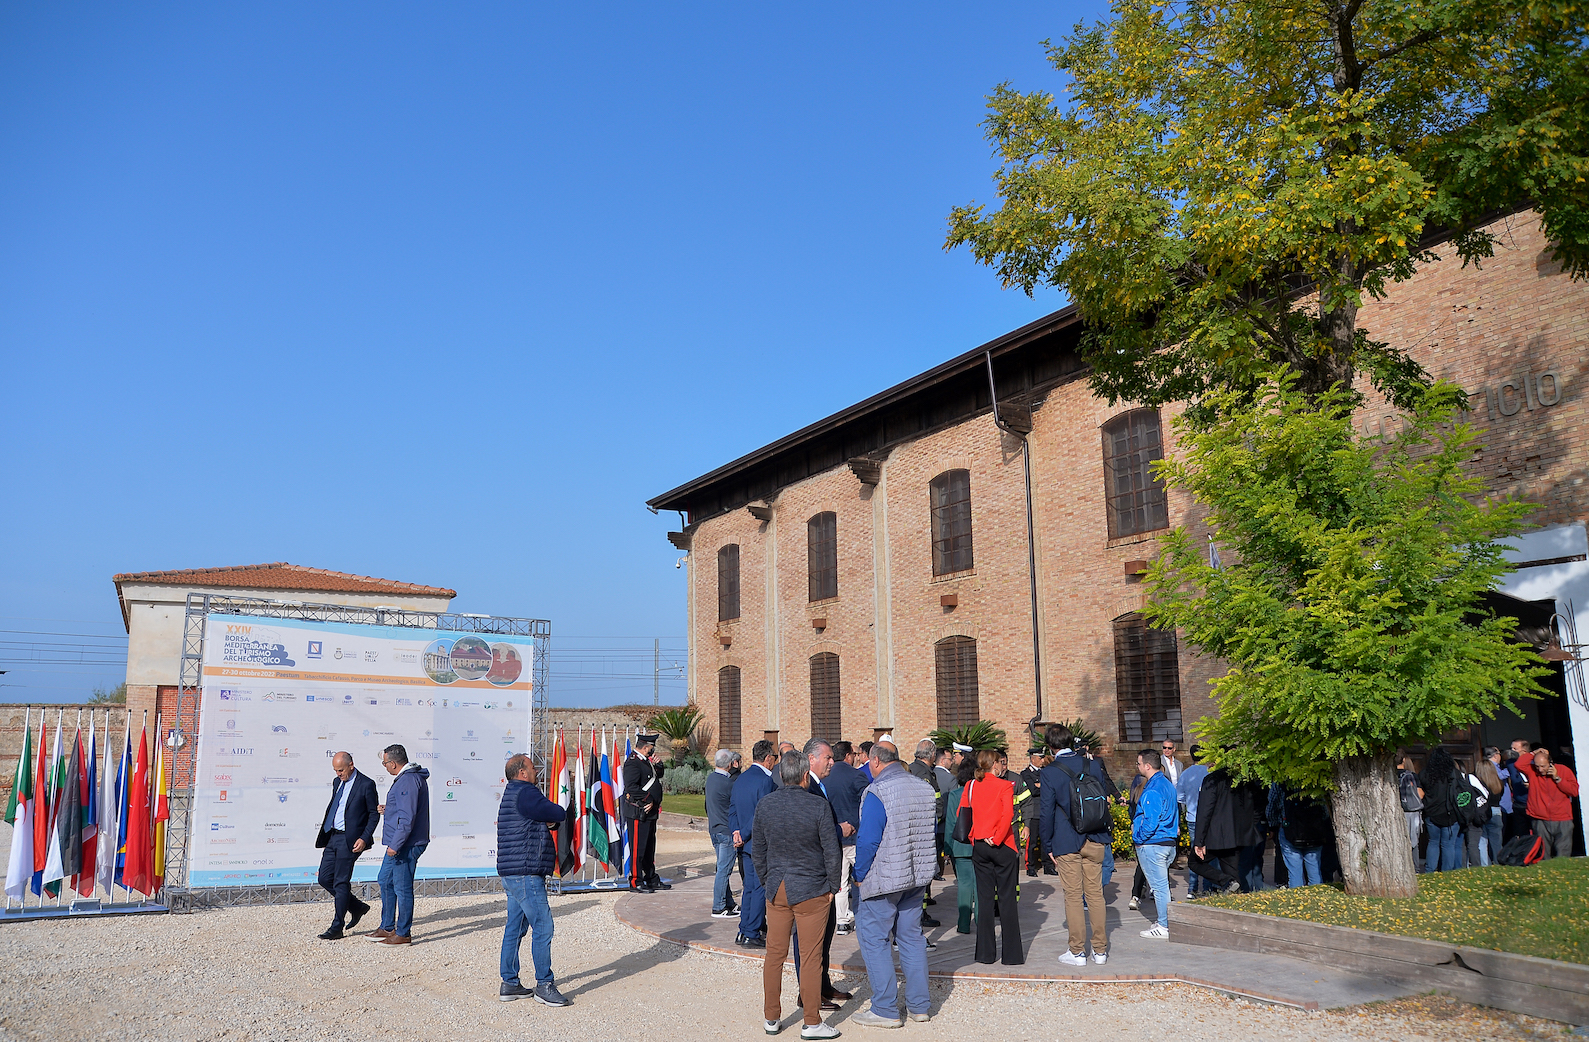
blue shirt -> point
(1188, 788)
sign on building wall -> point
(280, 696)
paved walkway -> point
(683, 915)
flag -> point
(624, 829)
(609, 805)
(123, 786)
(563, 792)
(90, 787)
(581, 801)
(69, 817)
(41, 813)
(595, 819)
(53, 870)
(162, 813)
(139, 873)
(19, 813)
(1213, 554)
(109, 822)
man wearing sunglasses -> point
(1171, 766)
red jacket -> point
(992, 803)
(1550, 800)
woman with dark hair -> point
(1439, 783)
(965, 875)
(991, 800)
(1484, 840)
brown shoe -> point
(395, 939)
(379, 935)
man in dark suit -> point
(1225, 823)
(752, 785)
(845, 786)
(346, 831)
(642, 804)
(819, 754)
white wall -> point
(1568, 585)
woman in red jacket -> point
(991, 800)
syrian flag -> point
(139, 873)
(88, 782)
(53, 867)
(595, 826)
(563, 792)
(19, 813)
(109, 822)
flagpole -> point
(27, 718)
(55, 771)
(77, 743)
(98, 857)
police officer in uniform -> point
(642, 802)
(1031, 775)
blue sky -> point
(443, 293)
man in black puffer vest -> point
(526, 854)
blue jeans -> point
(1490, 848)
(1303, 864)
(898, 915)
(722, 897)
(1250, 868)
(1155, 861)
(527, 909)
(1108, 860)
(753, 902)
(397, 888)
(1445, 847)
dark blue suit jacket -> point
(359, 816)
(846, 785)
(752, 784)
(1054, 823)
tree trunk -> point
(1371, 828)
(680, 747)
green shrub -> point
(683, 779)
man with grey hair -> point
(795, 849)
(347, 831)
(921, 767)
(719, 794)
(895, 854)
(526, 855)
(820, 753)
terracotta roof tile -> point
(279, 575)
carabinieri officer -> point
(642, 803)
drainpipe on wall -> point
(1031, 545)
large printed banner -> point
(280, 696)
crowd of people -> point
(833, 838)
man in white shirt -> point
(1172, 766)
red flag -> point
(139, 873)
(41, 814)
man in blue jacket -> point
(845, 785)
(406, 834)
(753, 783)
(1078, 858)
(526, 854)
(1155, 831)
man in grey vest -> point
(895, 856)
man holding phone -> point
(1551, 787)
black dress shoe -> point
(332, 934)
(929, 921)
(838, 996)
(357, 913)
(750, 942)
(657, 884)
(643, 889)
(930, 901)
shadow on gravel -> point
(577, 984)
(483, 917)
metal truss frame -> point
(200, 606)
(311, 893)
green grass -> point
(1541, 910)
(691, 803)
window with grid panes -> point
(1135, 496)
(1147, 682)
(728, 730)
(822, 556)
(825, 720)
(728, 582)
(951, 522)
(955, 668)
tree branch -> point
(1414, 40)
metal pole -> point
(656, 671)
(16, 780)
(55, 770)
(1031, 545)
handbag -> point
(962, 832)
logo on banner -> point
(289, 754)
(451, 795)
(453, 783)
(347, 700)
(229, 695)
(315, 648)
(238, 751)
(371, 656)
(254, 646)
(405, 701)
(279, 728)
(281, 797)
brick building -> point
(871, 571)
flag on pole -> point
(123, 786)
(162, 812)
(89, 782)
(41, 813)
(627, 830)
(581, 801)
(1213, 554)
(19, 813)
(69, 818)
(139, 873)
(595, 821)
(52, 859)
(562, 790)
(109, 821)
(609, 804)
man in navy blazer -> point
(753, 783)
(346, 831)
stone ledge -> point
(1519, 983)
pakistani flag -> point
(19, 812)
(595, 818)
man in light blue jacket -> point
(1155, 831)
(1187, 788)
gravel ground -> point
(259, 973)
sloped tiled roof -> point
(278, 575)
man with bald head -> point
(346, 831)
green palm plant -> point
(676, 725)
(1085, 737)
(983, 734)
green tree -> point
(1346, 608)
(1230, 178)
(115, 696)
(676, 725)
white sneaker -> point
(1156, 933)
(1099, 958)
(1072, 959)
(1133, 904)
(867, 1019)
(821, 1029)
(920, 1018)
(772, 1027)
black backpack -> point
(1522, 850)
(1089, 804)
(1469, 807)
(1307, 823)
(1409, 792)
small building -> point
(892, 567)
(154, 605)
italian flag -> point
(19, 813)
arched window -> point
(822, 556)
(955, 663)
(951, 522)
(1147, 681)
(826, 721)
(1134, 495)
(728, 729)
(728, 582)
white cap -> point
(889, 738)
(961, 748)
